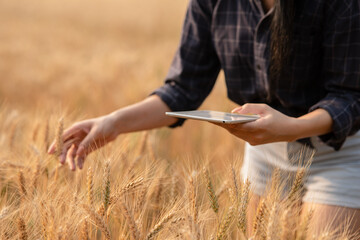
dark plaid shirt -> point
(233, 35)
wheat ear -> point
(47, 135)
(234, 181)
(211, 192)
(273, 224)
(159, 226)
(260, 220)
(44, 220)
(85, 230)
(22, 184)
(59, 138)
(22, 229)
(286, 230)
(98, 221)
(244, 200)
(304, 226)
(4, 212)
(36, 175)
(225, 224)
(128, 187)
(130, 220)
(106, 186)
(192, 198)
(297, 185)
(90, 186)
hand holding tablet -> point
(214, 116)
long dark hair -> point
(281, 39)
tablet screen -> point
(214, 116)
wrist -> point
(294, 129)
(115, 120)
(315, 123)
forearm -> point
(147, 114)
(315, 123)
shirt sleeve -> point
(341, 70)
(195, 67)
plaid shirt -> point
(234, 35)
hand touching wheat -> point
(81, 139)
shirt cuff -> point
(340, 112)
(165, 95)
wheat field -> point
(77, 59)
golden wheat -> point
(101, 57)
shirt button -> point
(258, 67)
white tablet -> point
(214, 116)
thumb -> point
(237, 109)
(85, 145)
(251, 109)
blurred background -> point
(81, 59)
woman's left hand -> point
(272, 126)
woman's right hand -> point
(84, 137)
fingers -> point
(70, 136)
(70, 157)
(251, 108)
(80, 162)
(237, 109)
(63, 155)
(86, 144)
(52, 149)
(74, 129)
(77, 142)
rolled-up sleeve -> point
(341, 70)
(195, 66)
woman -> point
(295, 63)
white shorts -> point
(333, 177)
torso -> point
(241, 37)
